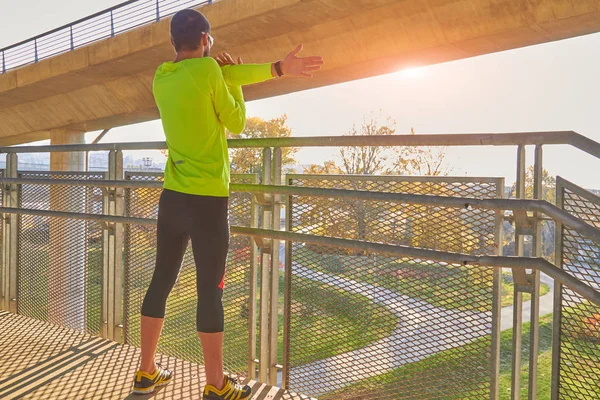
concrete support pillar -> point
(67, 161)
(68, 245)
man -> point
(198, 98)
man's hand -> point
(300, 67)
(225, 59)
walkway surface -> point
(42, 361)
(546, 305)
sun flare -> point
(411, 73)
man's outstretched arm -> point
(247, 74)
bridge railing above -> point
(98, 26)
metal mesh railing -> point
(102, 25)
(466, 230)
(387, 322)
(61, 274)
(66, 198)
(579, 335)
(366, 325)
(179, 333)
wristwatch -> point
(278, 69)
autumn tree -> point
(364, 220)
(328, 168)
(548, 186)
(368, 160)
(384, 160)
(379, 160)
(249, 160)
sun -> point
(411, 73)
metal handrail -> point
(571, 138)
(11, 57)
(392, 249)
(435, 255)
(525, 205)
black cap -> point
(187, 27)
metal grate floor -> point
(43, 361)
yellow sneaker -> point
(232, 390)
(146, 383)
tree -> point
(548, 186)
(360, 219)
(428, 161)
(384, 160)
(249, 160)
(328, 168)
(368, 160)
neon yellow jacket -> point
(197, 100)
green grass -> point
(316, 319)
(451, 287)
(544, 360)
(342, 315)
(462, 373)
(459, 373)
(508, 292)
(327, 321)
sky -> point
(554, 86)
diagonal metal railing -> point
(101, 25)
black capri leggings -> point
(204, 220)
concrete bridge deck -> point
(108, 83)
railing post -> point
(557, 306)
(104, 327)
(36, 50)
(3, 63)
(113, 253)
(254, 254)
(71, 34)
(276, 225)
(265, 257)
(519, 279)
(287, 297)
(497, 300)
(535, 277)
(10, 238)
(112, 24)
(157, 11)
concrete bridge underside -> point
(108, 83)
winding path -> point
(423, 330)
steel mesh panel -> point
(580, 319)
(434, 227)
(365, 325)
(179, 333)
(60, 260)
(66, 198)
(142, 203)
(60, 272)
